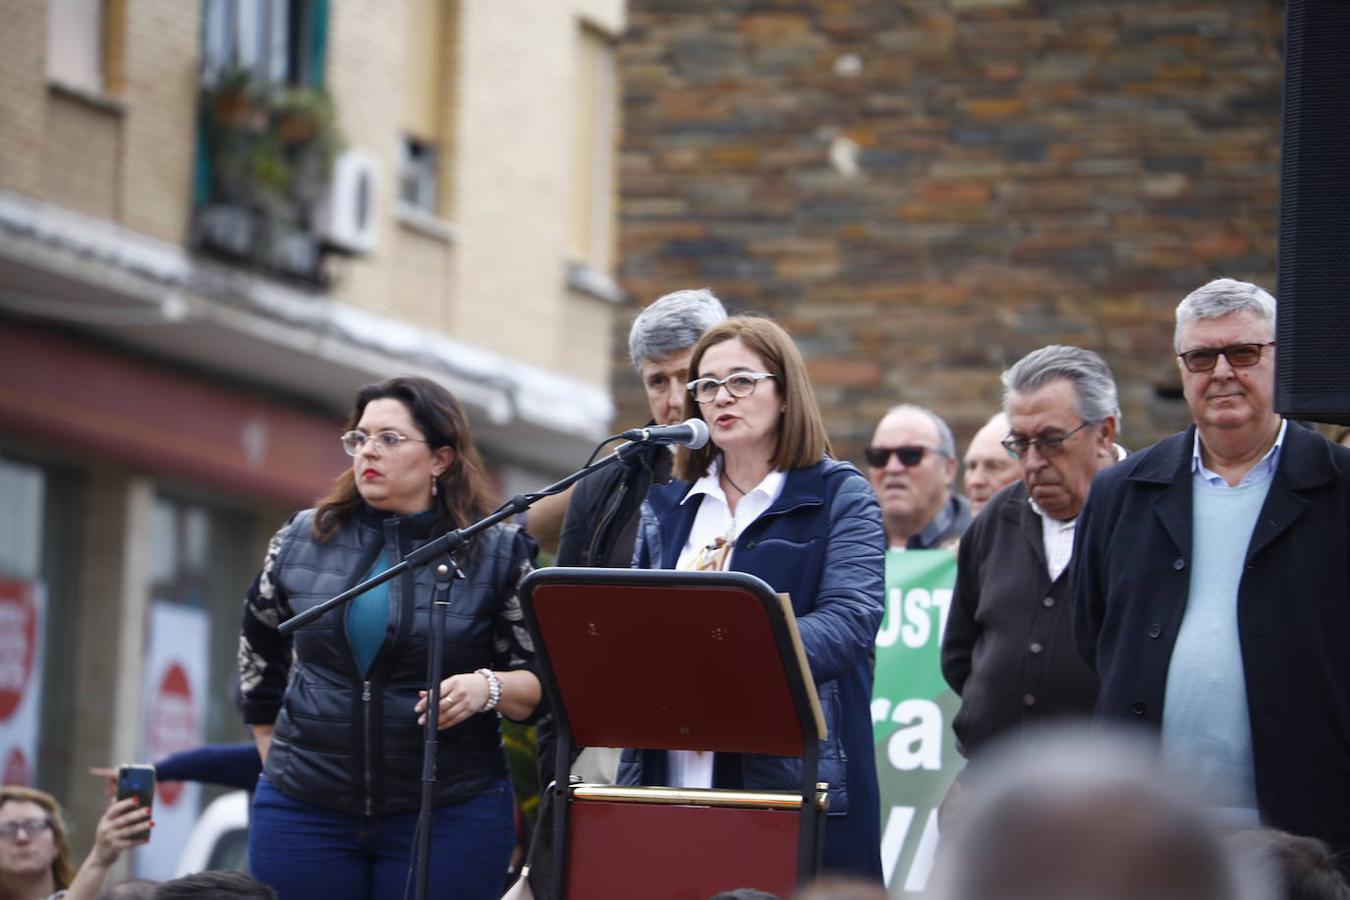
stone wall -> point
(924, 191)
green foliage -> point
(522, 751)
(271, 146)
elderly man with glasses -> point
(1008, 648)
(911, 463)
(1211, 584)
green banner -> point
(912, 710)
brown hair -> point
(63, 873)
(463, 494)
(801, 440)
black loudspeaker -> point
(1313, 327)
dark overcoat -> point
(1130, 581)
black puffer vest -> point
(352, 743)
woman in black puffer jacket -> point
(337, 711)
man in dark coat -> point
(1008, 647)
(602, 516)
(1211, 584)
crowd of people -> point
(1196, 591)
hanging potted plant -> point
(301, 114)
(234, 101)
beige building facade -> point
(218, 218)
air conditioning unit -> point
(345, 218)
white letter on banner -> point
(922, 864)
(893, 839)
(890, 628)
(942, 598)
(880, 707)
(918, 624)
(919, 745)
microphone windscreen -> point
(700, 433)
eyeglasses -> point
(1046, 445)
(909, 455)
(10, 830)
(741, 384)
(1239, 356)
(386, 441)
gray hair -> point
(1063, 811)
(673, 323)
(1219, 298)
(946, 443)
(1094, 387)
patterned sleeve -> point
(512, 646)
(264, 653)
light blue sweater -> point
(1206, 728)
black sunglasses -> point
(1239, 356)
(909, 455)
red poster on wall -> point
(23, 610)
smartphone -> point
(137, 781)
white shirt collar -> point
(770, 486)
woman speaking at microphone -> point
(764, 497)
(336, 712)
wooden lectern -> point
(676, 661)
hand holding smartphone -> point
(139, 782)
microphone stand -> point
(448, 545)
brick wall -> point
(924, 191)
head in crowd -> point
(1303, 867)
(411, 451)
(33, 839)
(1065, 813)
(778, 417)
(988, 466)
(911, 463)
(1063, 417)
(131, 889)
(1224, 339)
(834, 887)
(214, 885)
(661, 341)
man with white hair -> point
(1211, 583)
(1008, 648)
(601, 523)
(602, 516)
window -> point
(593, 150)
(75, 50)
(417, 176)
(41, 526)
(428, 60)
(277, 40)
(202, 557)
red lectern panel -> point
(619, 851)
(688, 668)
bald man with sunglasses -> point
(911, 463)
(1008, 647)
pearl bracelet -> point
(494, 689)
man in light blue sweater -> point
(1211, 584)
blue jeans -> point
(306, 851)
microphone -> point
(692, 433)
